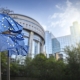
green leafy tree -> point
(54, 69)
(3, 62)
(44, 68)
(14, 68)
(73, 60)
(36, 68)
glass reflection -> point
(26, 40)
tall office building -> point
(75, 33)
(70, 40)
(48, 43)
(55, 46)
(64, 41)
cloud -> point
(78, 3)
(59, 7)
(68, 3)
(45, 27)
(54, 15)
(66, 16)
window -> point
(26, 40)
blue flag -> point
(11, 37)
(22, 49)
(19, 51)
(6, 43)
(8, 24)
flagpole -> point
(0, 65)
(8, 66)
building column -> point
(30, 43)
(42, 46)
(38, 47)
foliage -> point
(73, 60)
(45, 68)
(3, 62)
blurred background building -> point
(48, 43)
(33, 33)
(70, 40)
(56, 45)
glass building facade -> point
(48, 43)
(70, 40)
(55, 46)
(64, 41)
(75, 33)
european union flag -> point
(21, 48)
(4, 25)
(6, 43)
(8, 24)
(19, 51)
(11, 37)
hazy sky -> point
(54, 15)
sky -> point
(55, 16)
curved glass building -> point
(33, 33)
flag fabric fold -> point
(9, 24)
(6, 42)
(19, 51)
(11, 37)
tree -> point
(44, 68)
(3, 62)
(6, 11)
(54, 69)
(28, 60)
(14, 69)
(73, 60)
(36, 68)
